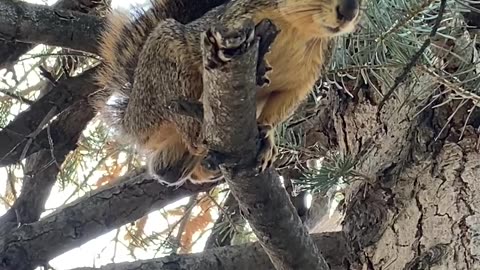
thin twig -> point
(185, 220)
(34, 134)
(468, 118)
(48, 75)
(17, 97)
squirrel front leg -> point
(279, 105)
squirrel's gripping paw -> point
(227, 42)
(266, 32)
(268, 151)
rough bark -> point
(108, 208)
(437, 223)
(241, 257)
(57, 26)
(415, 205)
(11, 51)
(25, 135)
(29, 23)
(231, 132)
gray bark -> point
(22, 24)
(12, 50)
(241, 257)
(30, 23)
(416, 205)
(108, 208)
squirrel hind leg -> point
(172, 164)
(171, 172)
(201, 175)
(175, 172)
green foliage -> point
(392, 32)
(334, 169)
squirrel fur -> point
(155, 58)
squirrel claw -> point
(268, 150)
(212, 160)
(266, 32)
(228, 43)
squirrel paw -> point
(170, 172)
(229, 42)
(268, 150)
(212, 160)
(197, 149)
(266, 31)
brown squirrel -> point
(153, 59)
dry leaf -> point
(179, 212)
(134, 235)
(197, 224)
(112, 174)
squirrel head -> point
(322, 18)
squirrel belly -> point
(152, 60)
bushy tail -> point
(122, 40)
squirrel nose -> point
(347, 10)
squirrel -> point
(155, 58)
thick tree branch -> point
(230, 131)
(18, 137)
(249, 256)
(77, 223)
(30, 23)
(11, 51)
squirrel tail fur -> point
(170, 159)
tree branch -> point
(18, 137)
(11, 51)
(75, 224)
(230, 130)
(249, 256)
(39, 24)
(229, 214)
(45, 25)
(42, 174)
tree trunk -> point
(415, 205)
